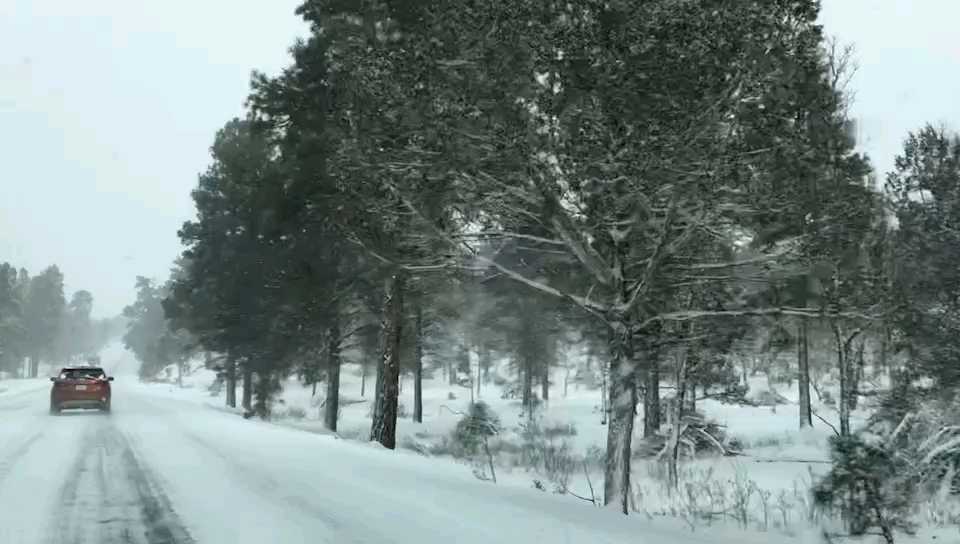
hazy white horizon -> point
(107, 111)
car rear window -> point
(81, 373)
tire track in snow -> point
(111, 498)
(9, 460)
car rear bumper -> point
(79, 404)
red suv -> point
(80, 387)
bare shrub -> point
(547, 451)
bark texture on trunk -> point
(604, 397)
(485, 362)
(623, 402)
(247, 387)
(677, 427)
(418, 366)
(843, 344)
(651, 397)
(545, 384)
(803, 375)
(231, 382)
(384, 427)
(479, 373)
(363, 380)
(690, 397)
(857, 366)
(264, 386)
(527, 384)
(332, 406)
(378, 384)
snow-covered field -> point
(764, 493)
(11, 388)
(170, 465)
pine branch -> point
(508, 234)
(689, 315)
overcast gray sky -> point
(108, 107)
(107, 111)
(909, 67)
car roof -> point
(69, 368)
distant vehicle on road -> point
(86, 387)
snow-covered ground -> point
(170, 465)
(776, 460)
(12, 388)
(167, 469)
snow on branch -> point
(949, 446)
(593, 307)
(565, 227)
(507, 234)
(653, 263)
(688, 315)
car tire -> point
(54, 409)
(105, 407)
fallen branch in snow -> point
(451, 410)
(812, 411)
(788, 460)
(588, 499)
(586, 473)
(710, 438)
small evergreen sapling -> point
(871, 484)
(473, 433)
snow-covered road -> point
(163, 470)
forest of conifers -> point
(674, 186)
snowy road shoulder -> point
(299, 484)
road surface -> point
(163, 470)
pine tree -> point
(42, 310)
(11, 320)
(228, 295)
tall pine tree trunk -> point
(384, 427)
(846, 386)
(247, 387)
(479, 373)
(527, 385)
(844, 390)
(545, 383)
(486, 362)
(363, 380)
(418, 366)
(884, 357)
(690, 397)
(803, 377)
(673, 461)
(231, 381)
(623, 402)
(332, 406)
(651, 398)
(263, 388)
(604, 397)
(856, 373)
